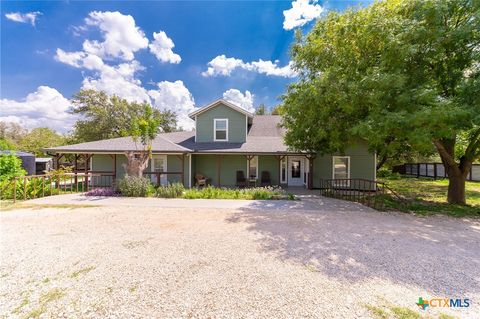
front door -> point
(159, 164)
(296, 168)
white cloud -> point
(238, 98)
(44, 107)
(270, 68)
(122, 79)
(122, 38)
(162, 47)
(29, 17)
(175, 97)
(221, 65)
(302, 11)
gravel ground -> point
(247, 260)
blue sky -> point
(177, 55)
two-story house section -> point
(229, 147)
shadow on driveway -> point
(353, 243)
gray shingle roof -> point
(264, 136)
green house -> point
(229, 147)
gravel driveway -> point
(319, 258)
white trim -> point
(246, 127)
(348, 167)
(189, 170)
(256, 169)
(294, 181)
(217, 102)
(195, 129)
(215, 130)
(282, 162)
(163, 178)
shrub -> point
(133, 186)
(10, 167)
(247, 193)
(173, 190)
(386, 173)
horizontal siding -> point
(362, 164)
(236, 124)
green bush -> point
(170, 191)
(10, 167)
(211, 192)
(386, 173)
(31, 188)
(133, 186)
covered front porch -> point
(250, 170)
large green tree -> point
(104, 117)
(40, 138)
(398, 74)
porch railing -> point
(156, 177)
(364, 191)
(35, 186)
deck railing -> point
(34, 186)
(156, 177)
(364, 191)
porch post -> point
(183, 170)
(219, 166)
(75, 163)
(114, 179)
(310, 159)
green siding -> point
(362, 164)
(104, 163)
(269, 164)
(236, 124)
(229, 165)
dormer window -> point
(220, 129)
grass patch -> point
(236, 193)
(46, 280)
(426, 196)
(12, 206)
(81, 271)
(390, 311)
(24, 302)
(51, 295)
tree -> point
(277, 110)
(261, 110)
(144, 128)
(104, 117)
(401, 71)
(6, 145)
(39, 138)
(10, 167)
(12, 132)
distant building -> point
(43, 165)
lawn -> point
(427, 196)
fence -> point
(435, 170)
(34, 186)
(364, 191)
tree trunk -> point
(382, 162)
(457, 172)
(456, 188)
(137, 162)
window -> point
(220, 127)
(283, 170)
(341, 167)
(253, 169)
